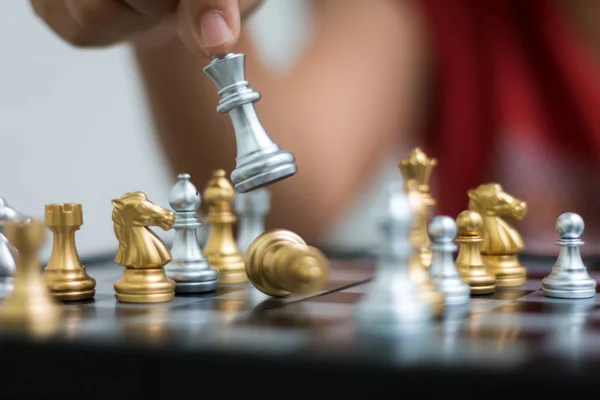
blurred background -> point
(74, 123)
(498, 91)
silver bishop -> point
(189, 268)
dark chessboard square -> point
(504, 334)
(337, 297)
(538, 274)
(220, 291)
(558, 308)
(505, 294)
(283, 320)
(593, 326)
(340, 284)
(218, 305)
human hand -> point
(205, 26)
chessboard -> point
(239, 340)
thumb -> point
(209, 26)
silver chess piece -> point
(393, 300)
(189, 268)
(259, 161)
(444, 274)
(201, 231)
(252, 209)
(569, 278)
(8, 253)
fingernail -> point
(214, 30)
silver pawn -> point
(393, 300)
(189, 268)
(8, 253)
(444, 275)
(569, 278)
(251, 209)
(259, 161)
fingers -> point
(153, 8)
(112, 16)
(101, 22)
(209, 26)
(57, 16)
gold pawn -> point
(220, 249)
(29, 306)
(417, 271)
(468, 261)
(279, 263)
(419, 167)
(65, 275)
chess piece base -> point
(405, 317)
(38, 317)
(455, 292)
(564, 288)
(70, 285)
(569, 294)
(144, 286)
(196, 277)
(435, 300)
(262, 170)
(427, 290)
(507, 270)
(479, 280)
(231, 268)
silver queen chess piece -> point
(189, 268)
(260, 161)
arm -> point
(351, 97)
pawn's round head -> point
(219, 189)
(569, 225)
(442, 229)
(27, 235)
(469, 223)
(184, 196)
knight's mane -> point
(118, 223)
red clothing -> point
(517, 102)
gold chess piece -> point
(29, 306)
(279, 263)
(141, 251)
(419, 167)
(65, 275)
(220, 249)
(417, 271)
(501, 242)
(470, 266)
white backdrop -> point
(74, 126)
